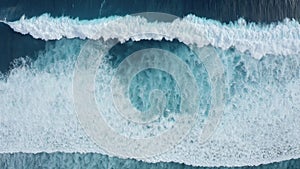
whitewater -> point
(260, 122)
(278, 38)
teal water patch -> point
(99, 161)
(150, 79)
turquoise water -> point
(90, 160)
(246, 80)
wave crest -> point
(282, 38)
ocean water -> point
(92, 160)
(236, 73)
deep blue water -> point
(14, 45)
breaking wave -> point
(281, 38)
(261, 117)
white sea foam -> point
(279, 38)
(261, 119)
(260, 122)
